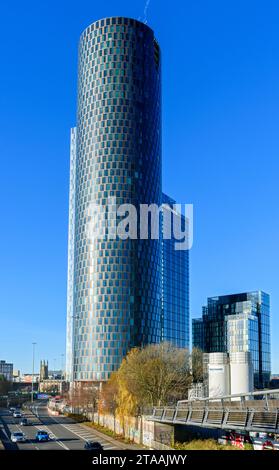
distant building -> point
(198, 333)
(43, 370)
(53, 386)
(27, 378)
(16, 375)
(55, 374)
(175, 285)
(237, 323)
(6, 370)
(274, 382)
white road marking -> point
(82, 433)
(43, 427)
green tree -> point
(5, 385)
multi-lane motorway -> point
(65, 434)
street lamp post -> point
(32, 390)
(62, 355)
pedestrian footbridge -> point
(253, 412)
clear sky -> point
(220, 152)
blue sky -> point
(220, 152)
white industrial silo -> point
(241, 372)
(218, 375)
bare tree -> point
(108, 401)
(197, 365)
(83, 398)
(158, 375)
(5, 385)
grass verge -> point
(203, 444)
(108, 432)
(76, 418)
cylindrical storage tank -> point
(241, 373)
(218, 375)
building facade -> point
(71, 248)
(6, 370)
(175, 285)
(116, 284)
(115, 287)
(43, 370)
(237, 323)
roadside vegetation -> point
(108, 432)
(156, 375)
(76, 417)
(203, 444)
(5, 385)
(207, 444)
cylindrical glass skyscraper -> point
(114, 293)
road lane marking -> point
(82, 433)
(43, 427)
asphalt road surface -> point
(64, 433)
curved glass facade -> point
(71, 246)
(117, 283)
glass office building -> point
(175, 285)
(114, 286)
(198, 333)
(121, 293)
(236, 323)
(6, 370)
(242, 333)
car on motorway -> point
(23, 422)
(12, 410)
(89, 445)
(17, 414)
(18, 437)
(42, 436)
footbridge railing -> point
(257, 411)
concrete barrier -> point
(2, 447)
(159, 446)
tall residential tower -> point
(114, 285)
